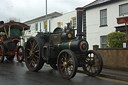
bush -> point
(115, 40)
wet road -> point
(15, 73)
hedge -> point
(115, 40)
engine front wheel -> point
(33, 54)
(20, 54)
(93, 63)
(67, 64)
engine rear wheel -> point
(33, 54)
(20, 54)
(93, 63)
(2, 53)
(67, 64)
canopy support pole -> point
(5, 32)
(9, 31)
(23, 35)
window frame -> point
(73, 22)
(104, 17)
(103, 43)
(36, 26)
(120, 10)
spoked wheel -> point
(33, 54)
(67, 64)
(2, 53)
(20, 54)
(93, 63)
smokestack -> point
(79, 22)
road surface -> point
(14, 73)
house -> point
(100, 19)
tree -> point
(115, 40)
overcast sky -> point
(24, 10)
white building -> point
(55, 19)
(101, 19)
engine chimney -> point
(79, 22)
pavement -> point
(113, 74)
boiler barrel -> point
(74, 45)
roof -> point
(51, 15)
(14, 24)
(97, 3)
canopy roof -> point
(13, 24)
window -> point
(40, 26)
(103, 41)
(45, 25)
(103, 17)
(36, 26)
(59, 24)
(74, 22)
(123, 9)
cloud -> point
(24, 10)
(5, 7)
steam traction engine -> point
(63, 51)
(10, 40)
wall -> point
(115, 58)
(94, 31)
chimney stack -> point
(79, 22)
